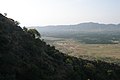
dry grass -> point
(77, 49)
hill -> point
(90, 33)
(79, 28)
(23, 57)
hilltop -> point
(23, 57)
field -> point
(76, 48)
(106, 52)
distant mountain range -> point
(79, 28)
(85, 32)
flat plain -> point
(75, 48)
(105, 52)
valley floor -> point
(106, 52)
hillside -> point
(90, 33)
(80, 28)
(23, 57)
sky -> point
(61, 12)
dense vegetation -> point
(23, 56)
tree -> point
(25, 29)
(14, 22)
(5, 14)
(34, 33)
(17, 23)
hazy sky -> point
(56, 12)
